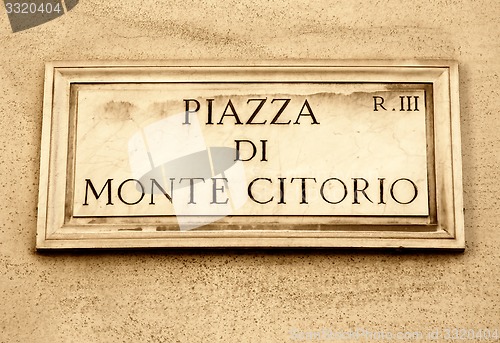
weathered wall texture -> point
(234, 296)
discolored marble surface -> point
(328, 134)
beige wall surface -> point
(249, 296)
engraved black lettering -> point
(378, 101)
(155, 183)
(356, 190)
(309, 114)
(409, 104)
(381, 187)
(191, 187)
(303, 186)
(254, 114)
(285, 104)
(88, 183)
(238, 147)
(322, 191)
(250, 194)
(231, 114)
(282, 190)
(189, 110)
(209, 111)
(120, 191)
(215, 189)
(414, 195)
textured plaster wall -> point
(253, 296)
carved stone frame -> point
(442, 229)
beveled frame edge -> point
(443, 239)
(253, 63)
(456, 150)
(45, 156)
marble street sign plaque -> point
(306, 154)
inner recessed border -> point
(414, 221)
